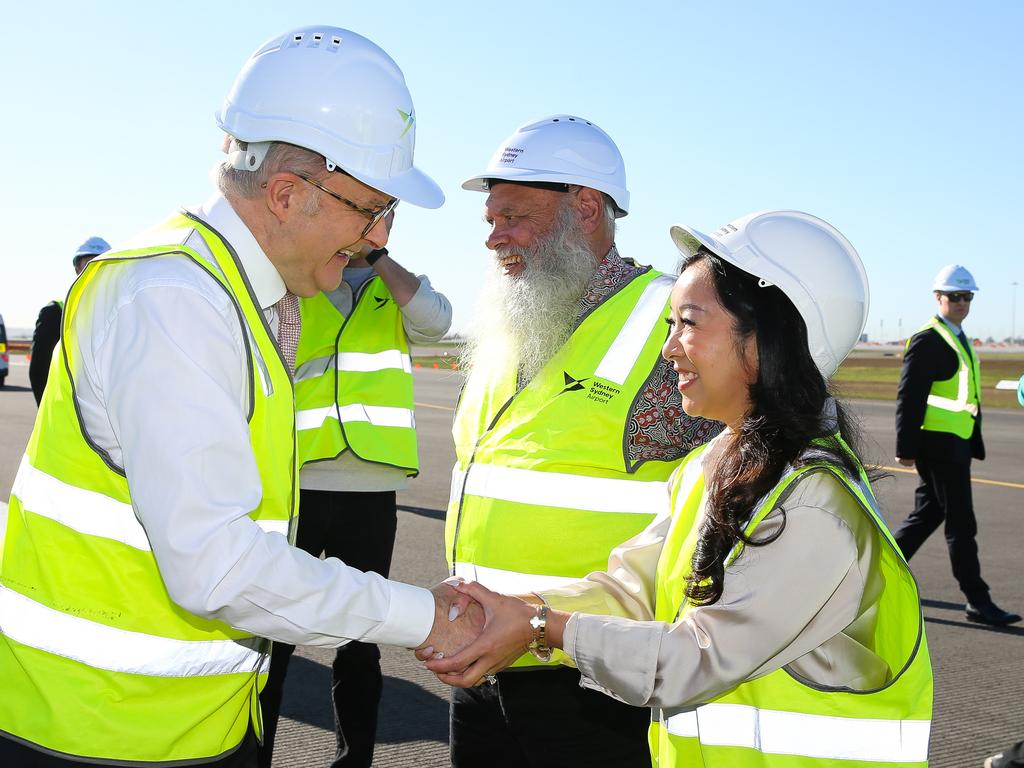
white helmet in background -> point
(94, 246)
(810, 261)
(561, 149)
(334, 92)
(953, 277)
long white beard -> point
(529, 317)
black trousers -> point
(944, 495)
(16, 755)
(1013, 757)
(359, 529)
(542, 718)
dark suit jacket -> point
(44, 339)
(929, 359)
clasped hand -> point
(490, 632)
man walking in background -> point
(938, 431)
(47, 332)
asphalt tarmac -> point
(979, 671)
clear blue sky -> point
(900, 123)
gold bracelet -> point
(538, 646)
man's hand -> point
(458, 620)
(905, 462)
(505, 638)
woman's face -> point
(715, 367)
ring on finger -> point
(491, 679)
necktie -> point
(288, 325)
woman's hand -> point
(506, 636)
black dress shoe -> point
(991, 614)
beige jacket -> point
(803, 602)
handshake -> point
(478, 632)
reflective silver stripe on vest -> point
(89, 512)
(510, 582)
(354, 362)
(963, 379)
(621, 356)
(378, 415)
(557, 489)
(795, 733)
(117, 650)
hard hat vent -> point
(571, 120)
(315, 41)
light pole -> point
(1013, 312)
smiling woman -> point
(711, 349)
(770, 615)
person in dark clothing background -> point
(47, 332)
(938, 431)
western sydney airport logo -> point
(596, 391)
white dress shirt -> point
(162, 386)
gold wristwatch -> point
(538, 646)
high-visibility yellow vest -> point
(97, 661)
(953, 403)
(542, 490)
(353, 381)
(779, 721)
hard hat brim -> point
(528, 176)
(413, 186)
(689, 240)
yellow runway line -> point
(909, 471)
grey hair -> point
(280, 157)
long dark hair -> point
(787, 399)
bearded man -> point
(566, 430)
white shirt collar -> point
(954, 326)
(263, 276)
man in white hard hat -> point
(938, 431)
(146, 562)
(47, 331)
(567, 428)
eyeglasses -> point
(373, 214)
(960, 296)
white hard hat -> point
(334, 92)
(94, 246)
(561, 149)
(810, 261)
(953, 277)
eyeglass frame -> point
(958, 296)
(375, 216)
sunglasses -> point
(960, 296)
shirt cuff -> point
(410, 617)
(428, 315)
(569, 636)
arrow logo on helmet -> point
(408, 119)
